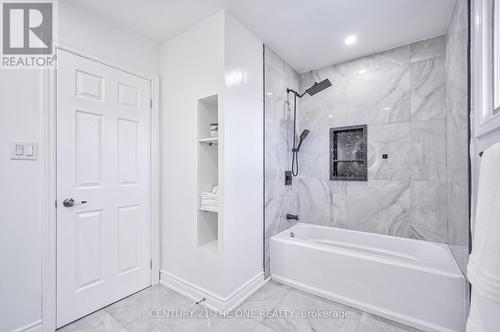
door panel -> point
(103, 158)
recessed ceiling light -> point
(363, 71)
(350, 40)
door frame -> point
(49, 179)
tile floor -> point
(133, 314)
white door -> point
(103, 161)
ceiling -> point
(308, 34)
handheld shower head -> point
(302, 138)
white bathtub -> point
(410, 281)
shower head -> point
(318, 87)
(302, 138)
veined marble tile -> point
(296, 302)
(428, 49)
(428, 89)
(323, 202)
(315, 153)
(457, 154)
(394, 140)
(381, 207)
(336, 75)
(274, 60)
(99, 321)
(457, 134)
(456, 44)
(279, 200)
(275, 82)
(371, 323)
(263, 328)
(379, 97)
(133, 312)
(428, 150)
(265, 298)
(230, 325)
(429, 211)
(458, 220)
(388, 59)
(215, 324)
(459, 19)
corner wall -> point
(279, 199)
(218, 56)
(192, 67)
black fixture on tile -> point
(348, 153)
(288, 178)
(314, 89)
(385, 156)
(292, 217)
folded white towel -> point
(483, 269)
(209, 201)
(204, 205)
(208, 195)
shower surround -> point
(402, 95)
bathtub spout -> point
(292, 217)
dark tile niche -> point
(348, 155)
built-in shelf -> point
(210, 140)
(348, 153)
(208, 209)
(208, 171)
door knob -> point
(69, 202)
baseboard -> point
(35, 326)
(410, 321)
(213, 301)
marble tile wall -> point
(279, 199)
(413, 99)
(401, 95)
(457, 133)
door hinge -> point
(151, 264)
(151, 103)
(55, 204)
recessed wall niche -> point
(348, 153)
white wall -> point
(219, 56)
(102, 37)
(20, 229)
(20, 189)
(192, 67)
(244, 151)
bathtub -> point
(413, 282)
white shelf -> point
(208, 209)
(210, 140)
(207, 230)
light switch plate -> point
(23, 151)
